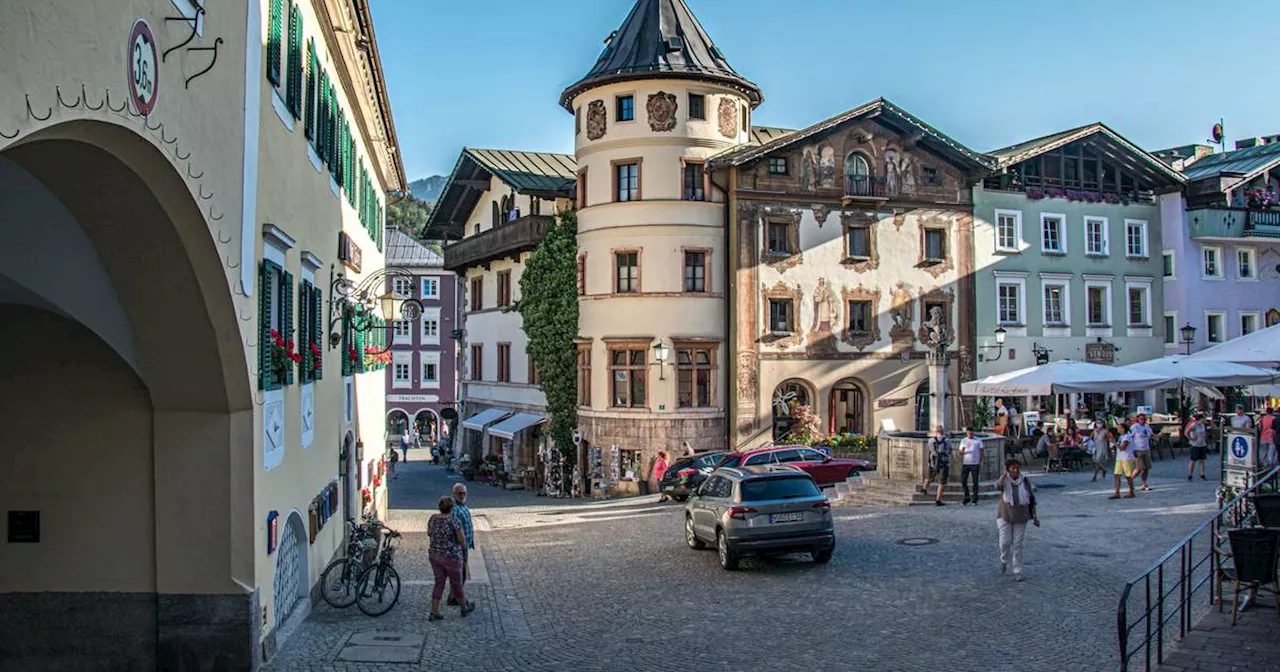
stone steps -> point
(874, 490)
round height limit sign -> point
(144, 70)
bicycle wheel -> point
(338, 583)
(378, 590)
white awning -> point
(485, 418)
(520, 421)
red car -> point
(825, 470)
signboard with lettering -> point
(412, 398)
(349, 253)
(891, 403)
(1100, 353)
(1242, 459)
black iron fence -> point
(1172, 587)
(865, 186)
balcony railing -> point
(865, 187)
(1213, 223)
(506, 240)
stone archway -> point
(427, 424)
(786, 397)
(291, 572)
(397, 424)
(847, 411)
(113, 292)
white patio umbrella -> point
(1261, 348)
(1203, 372)
(1064, 376)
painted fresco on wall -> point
(827, 167)
(809, 168)
(826, 317)
(901, 314)
(899, 172)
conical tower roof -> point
(661, 39)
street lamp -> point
(1188, 336)
(660, 354)
(1000, 334)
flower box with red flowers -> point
(282, 354)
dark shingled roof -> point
(660, 39)
(1104, 140)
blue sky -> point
(990, 73)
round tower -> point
(660, 101)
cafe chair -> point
(1267, 507)
(1254, 554)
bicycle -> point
(379, 587)
(339, 580)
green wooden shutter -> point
(347, 343)
(286, 319)
(309, 123)
(274, 28)
(265, 373)
(293, 84)
(304, 328)
(351, 168)
(322, 105)
(360, 345)
(331, 137)
(317, 325)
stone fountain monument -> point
(903, 456)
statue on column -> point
(934, 333)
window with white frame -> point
(401, 370)
(1053, 233)
(1135, 238)
(1166, 262)
(1212, 266)
(1095, 236)
(1248, 323)
(1171, 328)
(1246, 264)
(1008, 230)
(401, 331)
(1215, 327)
(431, 288)
(430, 369)
(1097, 304)
(1138, 297)
(431, 326)
(1009, 302)
(1056, 306)
(402, 286)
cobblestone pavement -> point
(1214, 645)
(609, 586)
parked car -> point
(760, 510)
(824, 469)
(687, 473)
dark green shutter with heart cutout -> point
(275, 26)
(304, 329)
(317, 326)
(265, 373)
(286, 320)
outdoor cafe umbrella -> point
(1261, 348)
(1065, 376)
(1202, 372)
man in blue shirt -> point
(1142, 436)
(462, 514)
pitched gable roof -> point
(1108, 142)
(403, 250)
(660, 39)
(1248, 163)
(539, 174)
(879, 108)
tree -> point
(409, 215)
(549, 307)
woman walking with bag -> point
(1100, 448)
(1017, 506)
(446, 556)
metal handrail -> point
(1232, 514)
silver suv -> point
(760, 510)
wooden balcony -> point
(865, 189)
(507, 240)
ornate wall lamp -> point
(661, 353)
(1188, 334)
(998, 347)
(1041, 354)
(361, 304)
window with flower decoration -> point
(278, 354)
(310, 348)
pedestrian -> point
(971, 463)
(1198, 437)
(939, 463)
(1268, 438)
(462, 516)
(406, 440)
(1140, 438)
(1124, 460)
(1099, 448)
(446, 558)
(659, 471)
(1017, 506)
(1240, 420)
(391, 464)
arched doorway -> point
(115, 297)
(922, 407)
(397, 424)
(1273, 317)
(847, 408)
(857, 172)
(427, 425)
(291, 572)
(786, 397)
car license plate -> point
(792, 517)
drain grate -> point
(917, 541)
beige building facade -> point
(172, 482)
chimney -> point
(1246, 143)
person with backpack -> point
(939, 463)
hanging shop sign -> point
(1100, 353)
(144, 71)
(349, 253)
(412, 398)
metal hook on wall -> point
(163, 139)
(58, 91)
(220, 240)
(6, 136)
(231, 265)
(202, 196)
(216, 218)
(214, 48)
(158, 127)
(107, 101)
(194, 20)
(84, 95)
(31, 113)
(194, 177)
